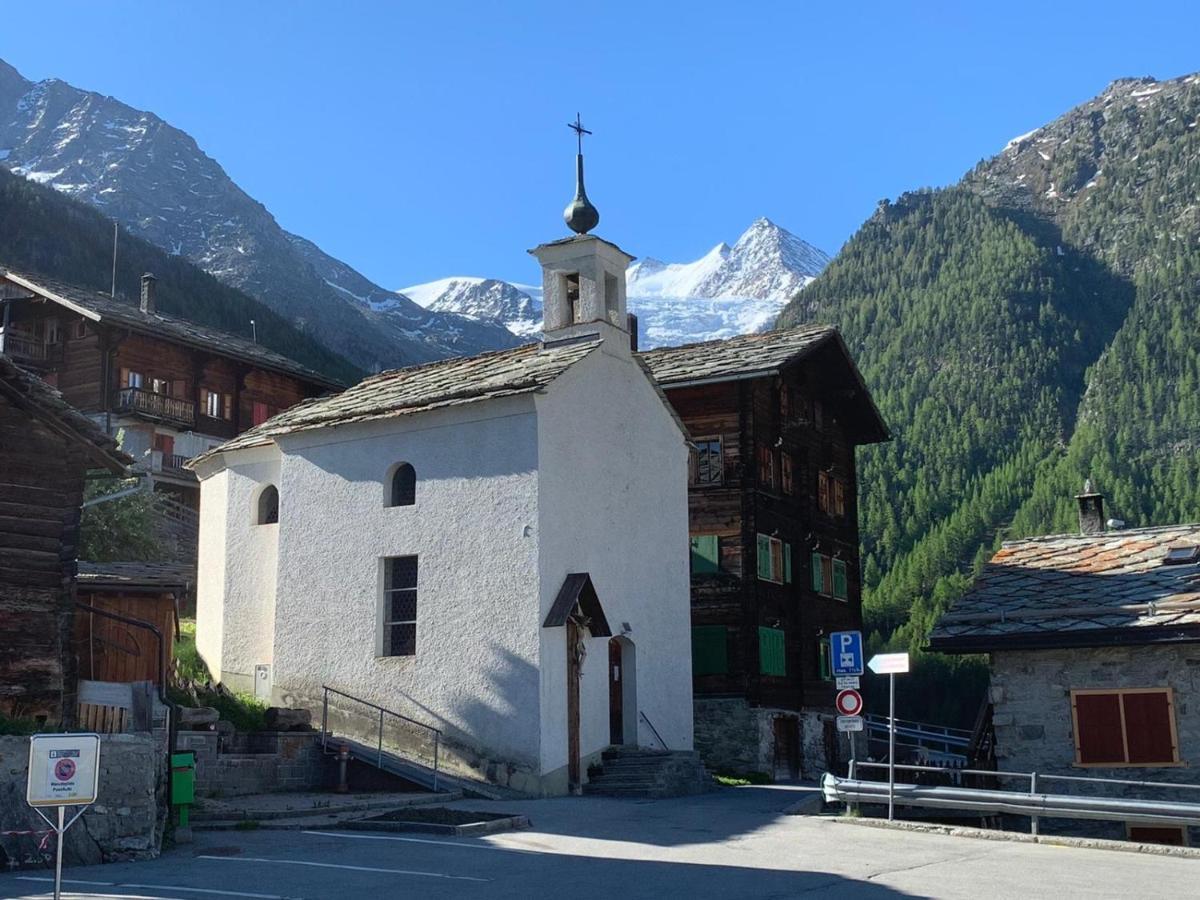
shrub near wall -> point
(126, 821)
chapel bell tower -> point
(583, 276)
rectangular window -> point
(53, 332)
(839, 497)
(706, 554)
(824, 660)
(81, 328)
(774, 560)
(823, 492)
(130, 378)
(709, 468)
(766, 467)
(216, 405)
(710, 650)
(841, 589)
(785, 471)
(160, 386)
(772, 652)
(824, 578)
(1134, 727)
(400, 606)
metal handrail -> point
(922, 726)
(437, 732)
(655, 730)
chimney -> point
(631, 320)
(1091, 509)
(147, 304)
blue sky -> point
(421, 140)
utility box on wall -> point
(262, 682)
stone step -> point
(622, 780)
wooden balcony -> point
(32, 352)
(158, 407)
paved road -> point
(731, 844)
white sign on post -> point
(889, 663)
(849, 723)
(847, 682)
(64, 769)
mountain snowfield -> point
(728, 291)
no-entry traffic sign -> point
(849, 703)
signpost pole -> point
(891, 745)
(58, 860)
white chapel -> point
(496, 546)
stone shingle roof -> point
(448, 382)
(1079, 590)
(104, 308)
(736, 357)
(42, 401)
(159, 576)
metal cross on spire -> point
(580, 131)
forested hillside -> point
(41, 231)
(1033, 325)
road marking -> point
(157, 887)
(408, 840)
(304, 862)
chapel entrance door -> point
(574, 642)
(616, 692)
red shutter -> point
(1148, 727)
(165, 444)
(1098, 728)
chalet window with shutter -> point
(772, 651)
(710, 650)
(766, 467)
(1128, 727)
(131, 379)
(774, 560)
(841, 588)
(785, 473)
(839, 497)
(824, 576)
(706, 554)
(216, 405)
(823, 491)
(707, 466)
(399, 606)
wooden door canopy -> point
(578, 593)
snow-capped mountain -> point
(728, 291)
(155, 180)
(488, 299)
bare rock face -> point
(202, 718)
(282, 719)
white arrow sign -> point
(889, 663)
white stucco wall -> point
(613, 503)
(236, 578)
(473, 528)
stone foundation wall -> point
(733, 736)
(260, 763)
(126, 821)
(1030, 692)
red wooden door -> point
(616, 714)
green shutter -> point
(710, 650)
(764, 557)
(839, 579)
(771, 656)
(787, 563)
(705, 554)
(818, 583)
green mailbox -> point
(183, 783)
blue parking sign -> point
(847, 652)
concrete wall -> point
(125, 822)
(473, 527)
(613, 503)
(1031, 699)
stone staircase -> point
(640, 772)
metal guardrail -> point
(325, 734)
(646, 718)
(1031, 803)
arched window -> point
(268, 506)
(403, 488)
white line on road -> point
(304, 862)
(156, 887)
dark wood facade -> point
(46, 453)
(785, 485)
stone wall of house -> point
(735, 737)
(259, 763)
(1031, 697)
(126, 821)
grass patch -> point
(18, 726)
(194, 686)
(742, 779)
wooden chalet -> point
(173, 387)
(47, 450)
(775, 419)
